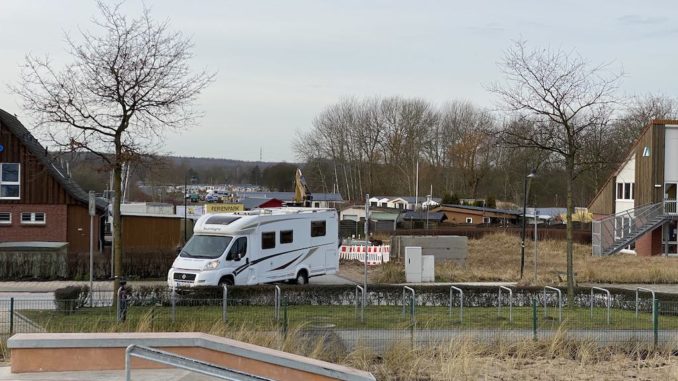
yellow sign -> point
(223, 208)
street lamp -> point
(532, 174)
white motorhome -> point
(259, 246)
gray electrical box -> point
(413, 264)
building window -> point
(625, 191)
(33, 218)
(287, 236)
(373, 203)
(318, 228)
(268, 240)
(486, 220)
(5, 218)
(9, 181)
(469, 220)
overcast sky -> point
(279, 63)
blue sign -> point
(2, 148)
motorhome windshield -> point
(205, 246)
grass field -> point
(496, 257)
(555, 358)
(341, 317)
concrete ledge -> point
(62, 352)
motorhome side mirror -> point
(247, 260)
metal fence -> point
(378, 325)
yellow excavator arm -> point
(302, 196)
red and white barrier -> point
(375, 254)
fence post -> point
(285, 321)
(655, 321)
(534, 319)
(174, 305)
(11, 316)
(224, 313)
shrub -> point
(70, 298)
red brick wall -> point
(53, 231)
(650, 243)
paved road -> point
(9, 289)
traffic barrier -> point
(375, 254)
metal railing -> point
(560, 301)
(461, 302)
(186, 363)
(638, 289)
(619, 230)
(670, 207)
(608, 301)
(412, 302)
(277, 296)
(510, 302)
(362, 302)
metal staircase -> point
(616, 232)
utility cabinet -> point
(413, 264)
(428, 268)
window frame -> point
(315, 232)
(266, 241)
(11, 183)
(625, 191)
(9, 221)
(469, 220)
(285, 234)
(487, 220)
(33, 220)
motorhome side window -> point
(238, 250)
(287, 236)
(318, 228)
(267, 240)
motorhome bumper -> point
(183, 278)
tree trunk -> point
(568, 221)
(117, 230)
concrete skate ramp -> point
(64, 352)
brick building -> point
(39, 202)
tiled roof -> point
(34, 147)
(483, 209)
(433, 216)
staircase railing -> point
(613, 231)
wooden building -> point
(635, 210)
(477, 215)
(39, 201)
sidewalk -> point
(107, 375)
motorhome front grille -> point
(184, 276)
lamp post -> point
(185, 204)
(532, 174)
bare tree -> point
(127, 84)
(561, 99)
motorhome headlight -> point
(211, 265)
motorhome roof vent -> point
(221, 220)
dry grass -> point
(496, 257)
(465, 359)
